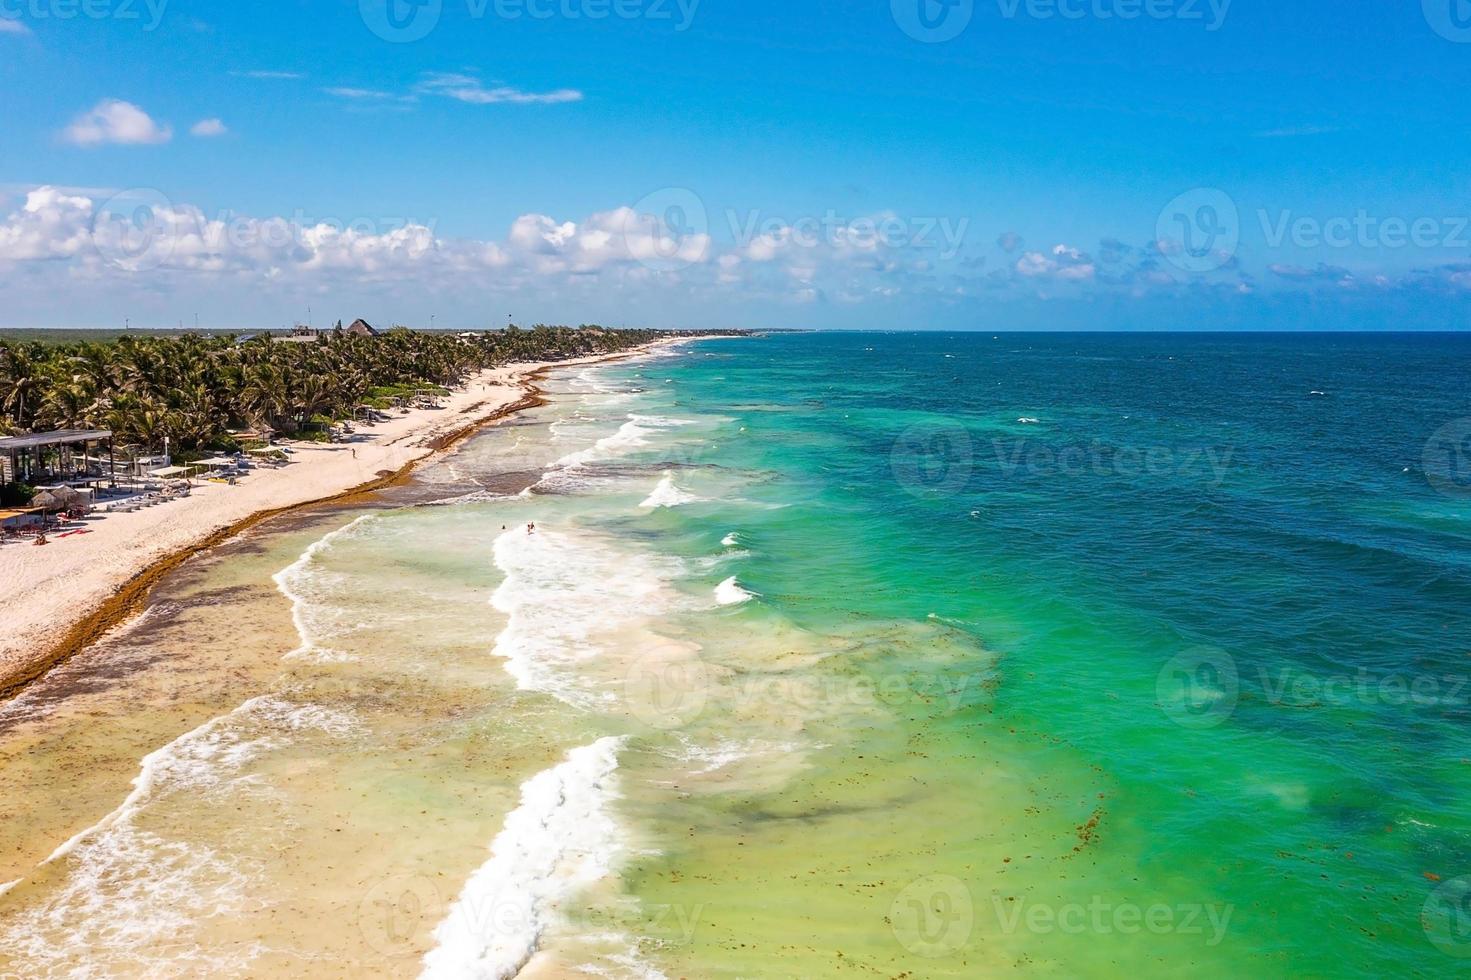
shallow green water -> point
(833, 655)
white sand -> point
(45, 590)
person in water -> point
(531, 529)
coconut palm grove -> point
(194, 389)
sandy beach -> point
(61, 596)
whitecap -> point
(731, 593)
(303, 582)
(559, 840)
(668, 494)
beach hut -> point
(48, 501)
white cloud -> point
(269, 75)
(344, 92)
(9, 25)
(115, 121)
(209, 127)
(467, 88)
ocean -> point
(808, 655)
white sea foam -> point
(130, 896)
(668, 494)
(560, 839)
(731, 540)
(1029, 421)
(730, 593)
(304, 582)
(632, 435)
(570, 600)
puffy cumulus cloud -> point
(50, 225)
(206, 128)
(68, 241)
(142, 232)
(115, 121)
(1064, 264)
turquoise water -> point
(829, 655)
(1225, 602)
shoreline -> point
(117, 594)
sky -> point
(873, 164)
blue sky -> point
(1055, 164)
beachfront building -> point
(299, 335)
(361, 328)
(63, 455)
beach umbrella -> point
(47, 501)
(66, 496)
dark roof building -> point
(361, 328)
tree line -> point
(194, 389)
